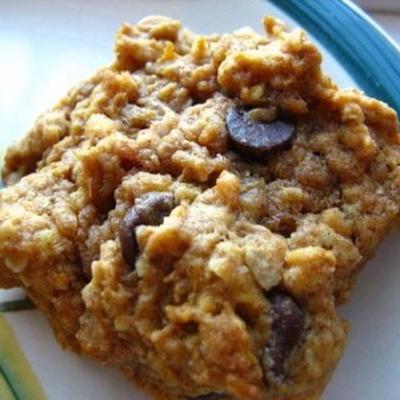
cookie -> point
(195, 213)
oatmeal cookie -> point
(195, 213)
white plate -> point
(45, 47)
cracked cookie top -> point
(195, 212)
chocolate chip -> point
(288, 322)
(149, 210)
(127, 236)
(256, 139)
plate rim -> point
(367, 53)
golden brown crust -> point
(195, 316)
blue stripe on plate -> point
(367, 53)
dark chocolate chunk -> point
(288, 322)
(127, 236)
(256, 139)
(154, 206)
(149, 210)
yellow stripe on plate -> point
(16, 369)
(5, 391)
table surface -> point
(390, 22)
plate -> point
(47, 46)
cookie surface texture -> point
(195, 213)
